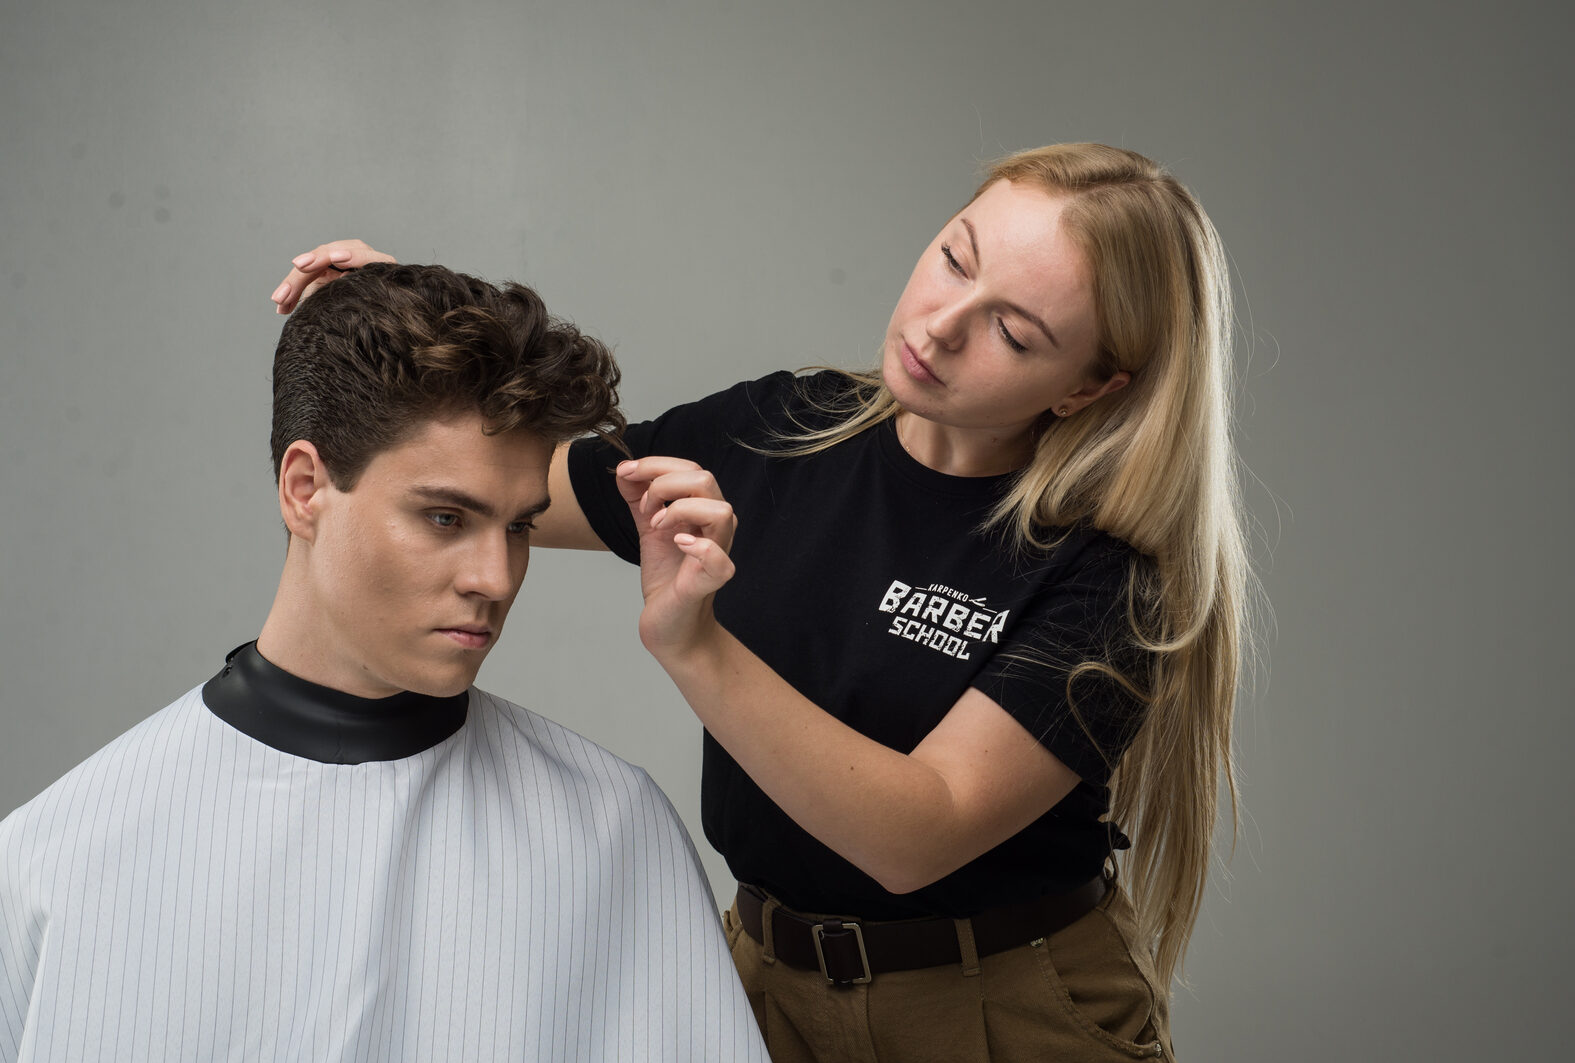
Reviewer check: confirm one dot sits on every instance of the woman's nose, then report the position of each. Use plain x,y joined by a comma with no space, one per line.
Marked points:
947,325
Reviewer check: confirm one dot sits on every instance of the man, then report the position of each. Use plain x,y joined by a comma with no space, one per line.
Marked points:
336,848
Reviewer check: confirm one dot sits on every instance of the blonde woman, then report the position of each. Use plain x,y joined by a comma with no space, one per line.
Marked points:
977,622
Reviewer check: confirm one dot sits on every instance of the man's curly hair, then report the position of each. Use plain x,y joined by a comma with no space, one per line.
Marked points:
369,358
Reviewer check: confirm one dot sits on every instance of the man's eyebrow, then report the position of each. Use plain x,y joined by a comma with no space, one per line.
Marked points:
973,242
449,496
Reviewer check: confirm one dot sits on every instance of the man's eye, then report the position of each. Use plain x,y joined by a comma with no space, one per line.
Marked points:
951,259
521,527
444,520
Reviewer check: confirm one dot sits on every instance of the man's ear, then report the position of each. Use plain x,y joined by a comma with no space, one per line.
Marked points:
303,483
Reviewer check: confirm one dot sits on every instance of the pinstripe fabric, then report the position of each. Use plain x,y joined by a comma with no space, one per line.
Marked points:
515,892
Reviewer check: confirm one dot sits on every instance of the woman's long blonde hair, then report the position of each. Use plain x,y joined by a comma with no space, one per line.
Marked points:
1153,464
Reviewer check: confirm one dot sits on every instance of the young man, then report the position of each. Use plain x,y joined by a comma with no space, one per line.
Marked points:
336,848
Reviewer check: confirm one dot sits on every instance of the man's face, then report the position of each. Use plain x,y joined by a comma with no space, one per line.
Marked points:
413,570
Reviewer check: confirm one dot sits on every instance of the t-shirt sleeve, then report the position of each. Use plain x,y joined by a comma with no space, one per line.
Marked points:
1088,723
712,432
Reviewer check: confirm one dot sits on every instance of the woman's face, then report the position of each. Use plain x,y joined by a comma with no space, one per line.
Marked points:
997,323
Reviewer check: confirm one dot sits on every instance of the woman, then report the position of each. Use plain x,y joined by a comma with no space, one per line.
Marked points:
982,613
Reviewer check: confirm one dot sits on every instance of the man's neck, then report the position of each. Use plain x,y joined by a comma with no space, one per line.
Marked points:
294,638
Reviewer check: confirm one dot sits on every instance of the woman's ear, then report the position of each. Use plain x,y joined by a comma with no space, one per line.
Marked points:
1081,399
303,480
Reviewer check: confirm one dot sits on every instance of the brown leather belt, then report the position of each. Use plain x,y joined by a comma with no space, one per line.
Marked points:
851,952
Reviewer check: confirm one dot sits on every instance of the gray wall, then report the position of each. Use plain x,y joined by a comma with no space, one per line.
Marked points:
722,188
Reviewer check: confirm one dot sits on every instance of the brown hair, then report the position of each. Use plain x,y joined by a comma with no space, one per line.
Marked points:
369,357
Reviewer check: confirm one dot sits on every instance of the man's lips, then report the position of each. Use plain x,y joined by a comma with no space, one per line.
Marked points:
470,636
916,368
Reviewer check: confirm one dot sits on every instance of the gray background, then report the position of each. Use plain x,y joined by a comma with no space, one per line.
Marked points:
723,188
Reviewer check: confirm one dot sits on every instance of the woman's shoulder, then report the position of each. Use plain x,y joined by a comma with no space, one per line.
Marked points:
786,402
835,391
1094,555
1110,548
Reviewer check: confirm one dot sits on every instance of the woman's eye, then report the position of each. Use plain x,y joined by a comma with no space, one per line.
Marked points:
1011,340
951,259
444,520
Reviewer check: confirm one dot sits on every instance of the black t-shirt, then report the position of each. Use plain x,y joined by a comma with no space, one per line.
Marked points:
864,582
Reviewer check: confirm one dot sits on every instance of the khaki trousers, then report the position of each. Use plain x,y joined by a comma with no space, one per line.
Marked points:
1084,993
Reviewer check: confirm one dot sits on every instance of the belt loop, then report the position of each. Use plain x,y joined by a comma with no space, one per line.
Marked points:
768,914
966,946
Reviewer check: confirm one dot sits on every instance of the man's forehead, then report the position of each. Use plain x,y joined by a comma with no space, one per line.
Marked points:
470,432
457,453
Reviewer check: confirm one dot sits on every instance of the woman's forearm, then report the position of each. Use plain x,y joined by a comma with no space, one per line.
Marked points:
906,820
563,524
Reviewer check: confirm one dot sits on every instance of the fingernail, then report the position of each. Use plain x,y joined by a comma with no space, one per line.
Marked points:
300,261
625,467
685,539
656,518
339,256
280,292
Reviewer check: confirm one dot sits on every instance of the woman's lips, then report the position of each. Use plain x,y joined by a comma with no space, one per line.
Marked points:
917,369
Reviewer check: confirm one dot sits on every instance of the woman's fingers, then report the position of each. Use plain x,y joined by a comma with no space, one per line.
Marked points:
686,528
651,483
312,269
715,567
709,518
682,501
648,468
637,477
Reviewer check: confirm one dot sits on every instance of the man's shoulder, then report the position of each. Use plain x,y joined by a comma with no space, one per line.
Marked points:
584,785
564,749
111,780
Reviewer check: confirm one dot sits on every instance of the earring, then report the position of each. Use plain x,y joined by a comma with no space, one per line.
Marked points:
1062,412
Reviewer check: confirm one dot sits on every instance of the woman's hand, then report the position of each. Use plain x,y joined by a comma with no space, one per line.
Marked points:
321,265
685,528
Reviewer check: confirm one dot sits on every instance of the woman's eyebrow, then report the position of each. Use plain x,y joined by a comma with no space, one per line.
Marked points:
973,242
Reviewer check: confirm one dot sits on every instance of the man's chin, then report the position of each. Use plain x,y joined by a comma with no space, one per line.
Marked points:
439,669
443,688
439,682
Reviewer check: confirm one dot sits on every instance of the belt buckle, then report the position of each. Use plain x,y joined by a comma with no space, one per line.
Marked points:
819,931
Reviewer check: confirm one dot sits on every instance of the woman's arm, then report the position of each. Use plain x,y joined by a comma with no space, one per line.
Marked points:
904,819
563,524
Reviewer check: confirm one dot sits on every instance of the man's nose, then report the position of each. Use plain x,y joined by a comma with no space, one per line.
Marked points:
487,570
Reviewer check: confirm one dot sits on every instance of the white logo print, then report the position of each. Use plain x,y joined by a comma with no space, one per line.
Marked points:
941,618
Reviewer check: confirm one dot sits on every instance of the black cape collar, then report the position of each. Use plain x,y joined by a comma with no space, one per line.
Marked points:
267,703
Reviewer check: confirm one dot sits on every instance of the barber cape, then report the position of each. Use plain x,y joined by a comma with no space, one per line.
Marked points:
302,879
